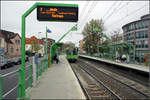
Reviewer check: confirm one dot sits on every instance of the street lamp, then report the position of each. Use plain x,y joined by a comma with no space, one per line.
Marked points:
38,40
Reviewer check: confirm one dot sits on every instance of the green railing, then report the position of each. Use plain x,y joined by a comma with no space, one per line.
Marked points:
1,87
2,95
113,58
39,70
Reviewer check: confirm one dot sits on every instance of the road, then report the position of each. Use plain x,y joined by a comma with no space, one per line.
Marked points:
10,81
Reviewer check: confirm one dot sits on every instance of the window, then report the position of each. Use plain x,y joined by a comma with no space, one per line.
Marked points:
145,24
137,35
146,34
11,49
0,42
17,42
146,46
17,49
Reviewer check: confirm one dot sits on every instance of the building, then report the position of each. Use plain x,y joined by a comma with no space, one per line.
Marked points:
10,43
137,33
50,42
34,44
81,42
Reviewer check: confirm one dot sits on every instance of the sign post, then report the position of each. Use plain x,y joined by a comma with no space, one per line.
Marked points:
45,12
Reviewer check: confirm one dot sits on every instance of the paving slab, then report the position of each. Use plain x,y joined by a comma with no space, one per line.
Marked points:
58,82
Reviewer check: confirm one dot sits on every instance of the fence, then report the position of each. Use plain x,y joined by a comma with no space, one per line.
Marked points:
139,61
39,70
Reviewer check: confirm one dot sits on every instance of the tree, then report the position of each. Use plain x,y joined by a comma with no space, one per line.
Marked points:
117,37
35,46
92,38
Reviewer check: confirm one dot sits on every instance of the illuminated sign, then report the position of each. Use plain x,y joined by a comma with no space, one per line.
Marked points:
56,13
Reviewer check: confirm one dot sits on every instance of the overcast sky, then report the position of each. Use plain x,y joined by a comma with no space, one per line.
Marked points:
115,14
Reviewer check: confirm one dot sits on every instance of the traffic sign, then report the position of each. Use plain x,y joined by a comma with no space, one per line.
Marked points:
57,13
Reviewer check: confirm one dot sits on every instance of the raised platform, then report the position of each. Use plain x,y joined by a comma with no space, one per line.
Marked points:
130,66
58,82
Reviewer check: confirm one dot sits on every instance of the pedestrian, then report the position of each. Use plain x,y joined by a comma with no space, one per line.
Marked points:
124,57
56,58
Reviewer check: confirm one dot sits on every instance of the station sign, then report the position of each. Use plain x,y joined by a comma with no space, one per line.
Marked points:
57,13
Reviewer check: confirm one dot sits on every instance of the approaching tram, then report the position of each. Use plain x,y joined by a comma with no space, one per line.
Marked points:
72,54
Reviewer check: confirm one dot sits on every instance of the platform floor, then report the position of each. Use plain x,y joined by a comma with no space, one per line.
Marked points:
58,82
131,66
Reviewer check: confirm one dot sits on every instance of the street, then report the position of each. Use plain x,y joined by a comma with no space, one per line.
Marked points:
10,81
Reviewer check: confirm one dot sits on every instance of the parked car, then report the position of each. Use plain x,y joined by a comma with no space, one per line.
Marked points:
17,60
10,62
5,62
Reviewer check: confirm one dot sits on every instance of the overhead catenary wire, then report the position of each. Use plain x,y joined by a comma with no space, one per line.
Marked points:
93,5
109,9
88,12
116,11
126,17
83,10
131,13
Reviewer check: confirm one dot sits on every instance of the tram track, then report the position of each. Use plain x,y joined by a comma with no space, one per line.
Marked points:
91,87
121,90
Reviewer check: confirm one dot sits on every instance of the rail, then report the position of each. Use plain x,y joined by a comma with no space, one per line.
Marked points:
85,91
117,96
137,91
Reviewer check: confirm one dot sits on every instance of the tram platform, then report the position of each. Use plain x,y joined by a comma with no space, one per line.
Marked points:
58,82
141,68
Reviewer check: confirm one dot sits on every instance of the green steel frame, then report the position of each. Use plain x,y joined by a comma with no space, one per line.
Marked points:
22,70
54,46
115,46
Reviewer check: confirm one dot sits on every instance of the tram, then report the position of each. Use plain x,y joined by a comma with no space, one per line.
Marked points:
72,54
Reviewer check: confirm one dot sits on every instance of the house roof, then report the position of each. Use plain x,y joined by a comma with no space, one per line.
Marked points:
33,38
8,35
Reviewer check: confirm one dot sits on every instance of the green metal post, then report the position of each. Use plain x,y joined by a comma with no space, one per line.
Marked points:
133,54
88,49
43,66
66,33
46,47
19,91
30,76
46,64
22,80
37,72
129,54
1,87
51,53
140,57
22,72
40,68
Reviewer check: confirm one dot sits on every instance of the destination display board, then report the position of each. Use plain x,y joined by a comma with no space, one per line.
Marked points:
56,13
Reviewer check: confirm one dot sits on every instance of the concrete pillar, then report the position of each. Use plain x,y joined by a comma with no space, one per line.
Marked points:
34,71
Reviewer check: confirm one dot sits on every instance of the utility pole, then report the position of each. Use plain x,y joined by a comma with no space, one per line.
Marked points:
149,47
